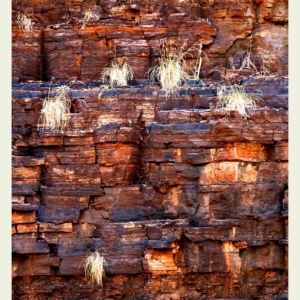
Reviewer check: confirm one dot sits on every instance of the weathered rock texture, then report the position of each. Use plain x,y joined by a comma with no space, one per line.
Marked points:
60,48
183,201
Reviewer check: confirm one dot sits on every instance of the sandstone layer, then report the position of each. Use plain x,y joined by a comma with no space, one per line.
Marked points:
182,200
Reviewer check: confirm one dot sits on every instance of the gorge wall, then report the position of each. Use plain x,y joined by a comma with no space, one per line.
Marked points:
182,200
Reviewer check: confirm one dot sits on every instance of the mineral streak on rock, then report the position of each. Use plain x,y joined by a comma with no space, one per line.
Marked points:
184,201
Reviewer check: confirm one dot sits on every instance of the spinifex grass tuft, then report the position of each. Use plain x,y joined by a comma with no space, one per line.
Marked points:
235,98
25,23
171,70
94,268
117,73
87,17
56,110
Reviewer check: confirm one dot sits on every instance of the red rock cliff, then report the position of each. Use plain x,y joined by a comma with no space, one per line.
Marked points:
183,201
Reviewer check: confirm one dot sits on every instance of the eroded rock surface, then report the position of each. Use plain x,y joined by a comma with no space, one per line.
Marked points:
60,47
182,200
170,194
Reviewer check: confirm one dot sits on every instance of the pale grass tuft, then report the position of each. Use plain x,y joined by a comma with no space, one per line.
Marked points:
87,17
266,59
56,110
235,98
171,70
264,71
94,268
25,23
118,73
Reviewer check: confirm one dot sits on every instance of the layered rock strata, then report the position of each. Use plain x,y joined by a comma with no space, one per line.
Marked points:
60,47
182,200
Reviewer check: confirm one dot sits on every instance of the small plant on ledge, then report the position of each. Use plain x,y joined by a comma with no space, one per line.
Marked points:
119,72
94,268
171,70
56,110
25,23
265,57
235,98
87,17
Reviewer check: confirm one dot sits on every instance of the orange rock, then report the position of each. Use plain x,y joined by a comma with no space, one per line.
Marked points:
53,201
50,227
118,174
242,151
46,139
81,175
23,217
25,228
111,154
159,261
28,174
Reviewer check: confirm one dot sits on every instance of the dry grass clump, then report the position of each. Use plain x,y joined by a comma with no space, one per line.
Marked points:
266,59
94,268
25,23
264,70
119,72
87,17
56,110
235,98
171,70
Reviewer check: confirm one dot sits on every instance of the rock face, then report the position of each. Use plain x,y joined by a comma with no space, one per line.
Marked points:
182,200
61,47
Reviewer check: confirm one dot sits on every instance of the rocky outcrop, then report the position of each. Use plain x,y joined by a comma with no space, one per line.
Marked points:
169,193
182,200
59,47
